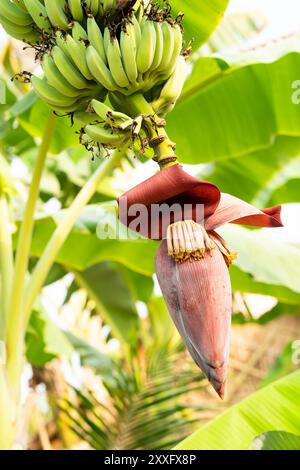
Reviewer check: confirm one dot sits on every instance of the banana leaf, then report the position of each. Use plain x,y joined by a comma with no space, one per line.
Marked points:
276,440
274,407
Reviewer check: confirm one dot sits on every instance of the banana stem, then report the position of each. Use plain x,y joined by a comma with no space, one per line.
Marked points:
63,230
15,328
159,140
6,262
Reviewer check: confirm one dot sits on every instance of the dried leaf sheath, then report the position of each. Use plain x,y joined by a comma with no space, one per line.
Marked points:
198,295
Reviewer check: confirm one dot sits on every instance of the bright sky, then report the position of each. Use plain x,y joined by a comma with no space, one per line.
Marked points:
283,15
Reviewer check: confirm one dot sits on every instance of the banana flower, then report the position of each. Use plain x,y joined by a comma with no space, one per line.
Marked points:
192,261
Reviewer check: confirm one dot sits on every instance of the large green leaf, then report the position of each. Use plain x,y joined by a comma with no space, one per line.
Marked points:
285,364
34,121
200,17
275,407
242,111
44,340
244,282
261,177
256,249
84,249
276,440
107,286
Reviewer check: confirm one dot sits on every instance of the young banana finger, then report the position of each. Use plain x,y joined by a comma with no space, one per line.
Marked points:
99,70
177,34
14,14
56,79
105,136
146,49
76,9
172,89
67,69
77,51
105,113
128,50
159,48
83,119
49,94
168,45
56,13
78,32
38,13
114,59
95,37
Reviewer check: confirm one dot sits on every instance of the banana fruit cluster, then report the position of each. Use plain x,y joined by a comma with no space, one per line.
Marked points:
88,59
106,127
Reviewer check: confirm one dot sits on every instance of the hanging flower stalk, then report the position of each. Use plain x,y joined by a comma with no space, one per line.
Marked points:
192,261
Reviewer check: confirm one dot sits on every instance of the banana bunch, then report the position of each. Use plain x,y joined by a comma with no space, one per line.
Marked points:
145,54
16,21
86,63
27,20
171,90
106,127
68,85
88,58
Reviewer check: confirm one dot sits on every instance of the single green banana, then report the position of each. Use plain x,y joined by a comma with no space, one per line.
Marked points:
146,49
67,69
14,14
177,34
108,5
76,9
38,13
105,136
60,40
172,89
137,29
114,58
13,28
99,70
93,6
128,51
28,36
20,3
106,39
79,106
159,48
168,45
49,94
95,37
78,32
77,51
56,79
84,119
56,13
106,113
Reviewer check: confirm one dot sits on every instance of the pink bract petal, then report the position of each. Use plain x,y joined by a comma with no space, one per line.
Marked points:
198,296
234,210
170,186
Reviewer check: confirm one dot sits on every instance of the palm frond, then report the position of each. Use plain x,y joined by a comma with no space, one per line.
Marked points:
152,412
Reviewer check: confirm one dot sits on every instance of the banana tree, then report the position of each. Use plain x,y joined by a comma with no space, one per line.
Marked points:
114,71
